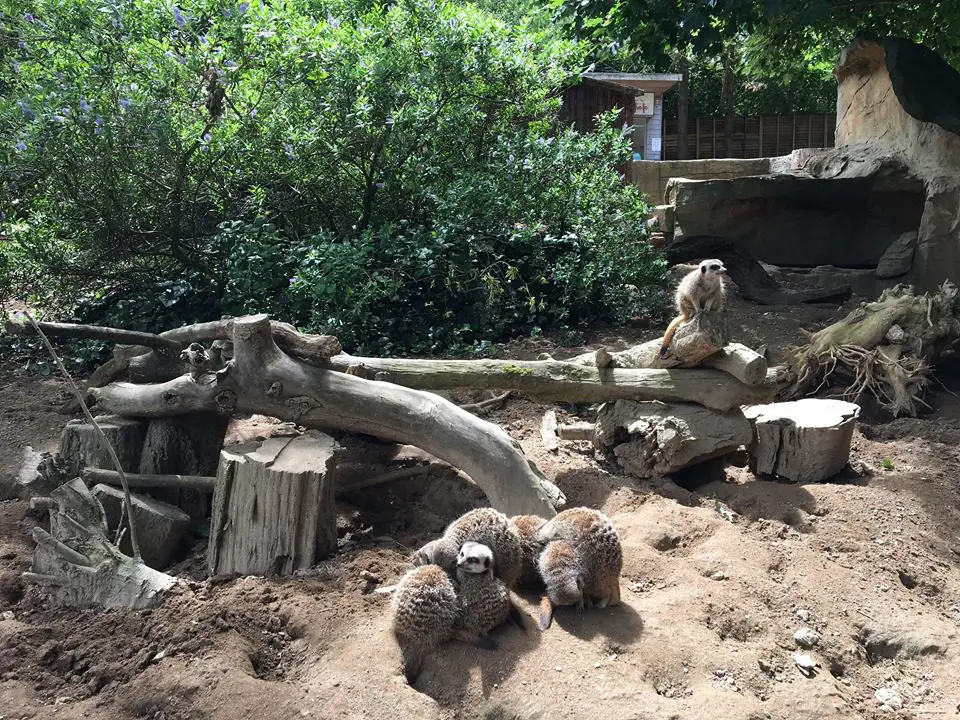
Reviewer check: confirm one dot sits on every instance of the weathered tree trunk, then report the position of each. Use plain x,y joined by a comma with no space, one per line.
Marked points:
273,509
187,445
77,564
550,380
262,379
885,348
81,446
651,438
804,441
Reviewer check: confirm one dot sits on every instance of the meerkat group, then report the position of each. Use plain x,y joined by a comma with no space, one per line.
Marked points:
461,583
700,290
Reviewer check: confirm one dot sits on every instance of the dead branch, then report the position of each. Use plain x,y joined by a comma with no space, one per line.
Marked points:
488,402
262,379
149,480
96,332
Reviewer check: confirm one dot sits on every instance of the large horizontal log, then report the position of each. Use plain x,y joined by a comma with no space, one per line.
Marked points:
262,379
551,380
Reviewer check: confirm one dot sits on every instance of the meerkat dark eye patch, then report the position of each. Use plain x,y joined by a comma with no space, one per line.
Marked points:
703,269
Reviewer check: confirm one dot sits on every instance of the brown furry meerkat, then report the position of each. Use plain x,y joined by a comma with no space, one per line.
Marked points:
484,598
580,563
425,610
483,525
430,608
527,527
700,290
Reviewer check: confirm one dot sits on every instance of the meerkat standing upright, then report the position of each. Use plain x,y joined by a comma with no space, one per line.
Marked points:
700,290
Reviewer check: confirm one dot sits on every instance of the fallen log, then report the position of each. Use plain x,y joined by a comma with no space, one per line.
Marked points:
165,345
885,348
78,566
551,380
262,379
652,438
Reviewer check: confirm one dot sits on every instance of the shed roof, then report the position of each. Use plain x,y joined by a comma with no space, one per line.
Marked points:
635,83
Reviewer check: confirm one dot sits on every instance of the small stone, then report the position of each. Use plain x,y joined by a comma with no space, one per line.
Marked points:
7,615
558,668
369,577
719,575
806,638
888,699
804,615
806,664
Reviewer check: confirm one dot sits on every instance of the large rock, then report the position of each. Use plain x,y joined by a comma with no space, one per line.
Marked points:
898,258
895,169
804,441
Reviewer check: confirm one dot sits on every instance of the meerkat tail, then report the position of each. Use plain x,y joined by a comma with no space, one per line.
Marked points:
546,612
671,331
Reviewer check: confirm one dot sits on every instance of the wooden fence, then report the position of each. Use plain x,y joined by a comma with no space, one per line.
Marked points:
766,136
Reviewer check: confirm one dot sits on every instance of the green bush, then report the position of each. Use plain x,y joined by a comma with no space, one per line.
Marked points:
393,173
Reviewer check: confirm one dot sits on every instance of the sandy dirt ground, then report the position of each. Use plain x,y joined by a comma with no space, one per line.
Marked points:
706,627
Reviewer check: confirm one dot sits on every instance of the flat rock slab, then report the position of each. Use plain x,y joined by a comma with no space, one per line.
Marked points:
897,259
804,441
160,526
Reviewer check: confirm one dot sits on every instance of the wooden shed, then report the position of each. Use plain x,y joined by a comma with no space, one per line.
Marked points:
638,95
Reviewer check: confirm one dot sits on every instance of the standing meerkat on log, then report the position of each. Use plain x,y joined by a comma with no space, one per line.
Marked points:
700,290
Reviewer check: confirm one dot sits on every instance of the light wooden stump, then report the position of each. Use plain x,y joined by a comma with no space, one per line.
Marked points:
273,507
804,440
653,438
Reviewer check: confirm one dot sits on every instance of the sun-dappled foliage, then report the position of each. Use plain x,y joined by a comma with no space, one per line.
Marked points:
392,173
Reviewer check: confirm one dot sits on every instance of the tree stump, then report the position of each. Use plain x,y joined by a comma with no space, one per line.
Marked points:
654,438
804,440
273,507
184,445
78,565
160,526
80,445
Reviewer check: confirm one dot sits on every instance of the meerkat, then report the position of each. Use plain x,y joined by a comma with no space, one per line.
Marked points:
483,525
527,527
425,611
580,563
430,608
484,598
700,290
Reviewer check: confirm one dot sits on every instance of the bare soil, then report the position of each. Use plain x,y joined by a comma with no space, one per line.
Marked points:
706,627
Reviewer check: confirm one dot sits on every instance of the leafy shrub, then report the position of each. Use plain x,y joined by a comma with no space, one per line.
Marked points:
393,173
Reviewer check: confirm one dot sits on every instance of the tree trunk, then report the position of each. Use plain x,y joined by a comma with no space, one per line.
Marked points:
683,108
187,445
803,441
81,446
78,565
273,509
727,99
264,380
